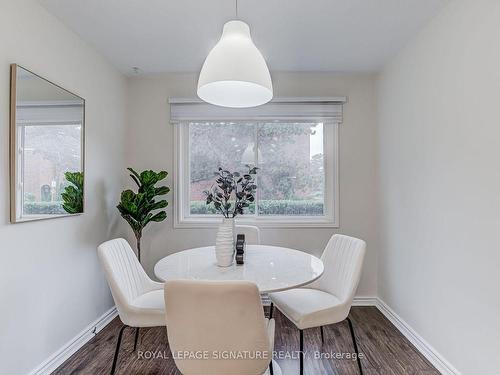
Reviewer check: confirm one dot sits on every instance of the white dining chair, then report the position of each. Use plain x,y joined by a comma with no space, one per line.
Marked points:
217,317
251,232
327,300
139,300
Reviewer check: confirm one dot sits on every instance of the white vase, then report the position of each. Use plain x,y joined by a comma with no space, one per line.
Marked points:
224,243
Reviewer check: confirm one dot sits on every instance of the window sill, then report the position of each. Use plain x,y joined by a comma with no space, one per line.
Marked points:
261,223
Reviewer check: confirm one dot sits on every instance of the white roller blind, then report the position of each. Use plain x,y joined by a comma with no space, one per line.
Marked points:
53,113
184,110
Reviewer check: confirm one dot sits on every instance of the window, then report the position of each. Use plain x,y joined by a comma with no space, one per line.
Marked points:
49,143
47,152
296,156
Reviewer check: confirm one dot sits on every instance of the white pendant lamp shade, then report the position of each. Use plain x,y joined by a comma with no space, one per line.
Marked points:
235,73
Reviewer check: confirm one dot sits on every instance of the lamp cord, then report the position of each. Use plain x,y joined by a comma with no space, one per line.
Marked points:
236,9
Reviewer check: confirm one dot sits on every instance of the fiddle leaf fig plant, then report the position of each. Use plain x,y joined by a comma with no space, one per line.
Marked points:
141,208
232,191
73,194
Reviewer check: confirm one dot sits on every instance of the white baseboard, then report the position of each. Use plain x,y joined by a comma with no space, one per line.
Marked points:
364,301
66,351
432,355
358,301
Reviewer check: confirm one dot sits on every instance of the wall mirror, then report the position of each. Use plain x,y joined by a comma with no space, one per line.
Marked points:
46,148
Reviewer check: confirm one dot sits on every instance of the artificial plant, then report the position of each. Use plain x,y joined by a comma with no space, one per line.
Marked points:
73,194
232,192
138,208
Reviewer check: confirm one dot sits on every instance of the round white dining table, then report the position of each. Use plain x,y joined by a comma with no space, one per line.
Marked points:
272,268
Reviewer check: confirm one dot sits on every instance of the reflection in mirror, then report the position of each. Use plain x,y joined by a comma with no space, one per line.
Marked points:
47,148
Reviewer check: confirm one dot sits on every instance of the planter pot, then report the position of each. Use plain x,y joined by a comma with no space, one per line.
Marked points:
224,243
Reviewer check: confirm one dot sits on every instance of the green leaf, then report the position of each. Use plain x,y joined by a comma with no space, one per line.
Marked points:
148,178
160,204
160,216
134,173
162,175
162,190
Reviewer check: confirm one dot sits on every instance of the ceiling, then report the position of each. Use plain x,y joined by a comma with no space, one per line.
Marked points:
293,35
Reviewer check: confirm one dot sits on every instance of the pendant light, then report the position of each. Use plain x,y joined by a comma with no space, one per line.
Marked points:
235,73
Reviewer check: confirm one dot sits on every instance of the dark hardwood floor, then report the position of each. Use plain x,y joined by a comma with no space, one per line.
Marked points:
385,349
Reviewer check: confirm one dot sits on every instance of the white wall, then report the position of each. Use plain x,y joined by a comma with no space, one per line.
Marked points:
439,157
51,285
150,145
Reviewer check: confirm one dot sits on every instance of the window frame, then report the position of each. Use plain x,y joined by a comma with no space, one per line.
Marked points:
183,218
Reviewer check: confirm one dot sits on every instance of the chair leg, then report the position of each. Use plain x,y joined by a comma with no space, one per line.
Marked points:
117,350
322,335
271,308
301,352
355,345
136,337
